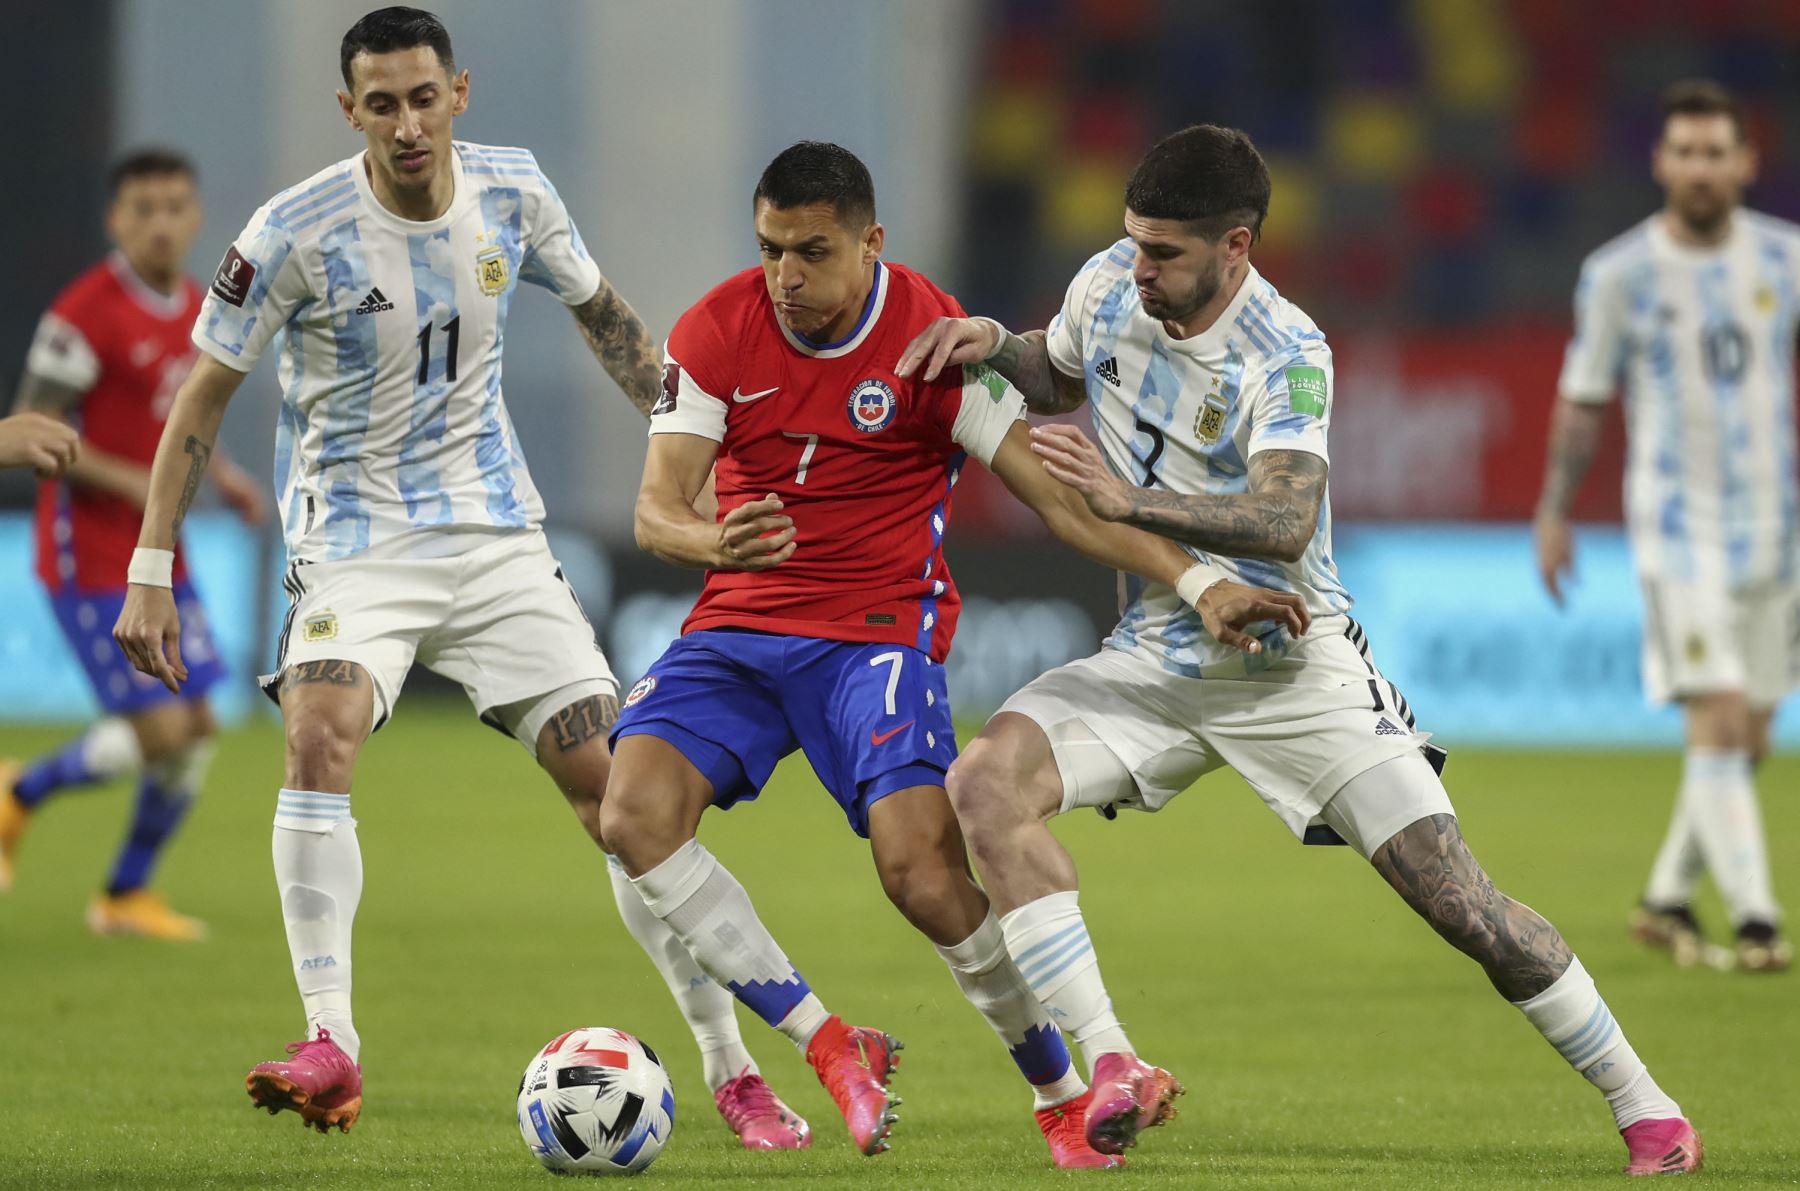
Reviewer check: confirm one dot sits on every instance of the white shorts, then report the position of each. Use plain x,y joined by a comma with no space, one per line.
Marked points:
498,618
1701,638
1297,727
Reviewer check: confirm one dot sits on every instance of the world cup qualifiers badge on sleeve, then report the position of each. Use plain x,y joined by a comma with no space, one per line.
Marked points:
872,405
1306,390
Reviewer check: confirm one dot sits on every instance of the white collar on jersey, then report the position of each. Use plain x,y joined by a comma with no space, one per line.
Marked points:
459,197
849,343
1215,335
1664,241
153,300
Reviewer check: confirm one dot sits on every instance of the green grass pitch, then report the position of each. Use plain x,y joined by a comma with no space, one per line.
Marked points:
1326,1036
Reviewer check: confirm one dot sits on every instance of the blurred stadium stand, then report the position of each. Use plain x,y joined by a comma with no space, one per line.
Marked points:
1440,168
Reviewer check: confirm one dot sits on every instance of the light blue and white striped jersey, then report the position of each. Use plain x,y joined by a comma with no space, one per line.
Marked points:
1186,415
389,336
1703,342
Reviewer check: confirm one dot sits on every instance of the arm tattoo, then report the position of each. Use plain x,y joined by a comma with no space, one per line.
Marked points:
1430,866
618,339
201,452
583,720
330,671
40,394
1275,519
1025,361
1574,437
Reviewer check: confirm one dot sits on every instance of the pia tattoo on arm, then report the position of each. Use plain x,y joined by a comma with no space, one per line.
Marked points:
1025,361
1431,868
329,671
622,344
583,720
1275,519
201,453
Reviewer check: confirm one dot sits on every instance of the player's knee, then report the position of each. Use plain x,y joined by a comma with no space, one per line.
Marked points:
162,732
985,789
631,829
321,753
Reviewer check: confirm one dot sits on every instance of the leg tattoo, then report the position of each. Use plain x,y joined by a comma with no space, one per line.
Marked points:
1430,866
583,720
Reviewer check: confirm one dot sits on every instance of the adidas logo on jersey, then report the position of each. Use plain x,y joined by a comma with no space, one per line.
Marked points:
1108,371
1387,727
374,303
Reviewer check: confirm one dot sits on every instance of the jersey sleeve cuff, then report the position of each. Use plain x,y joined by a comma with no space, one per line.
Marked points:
222,354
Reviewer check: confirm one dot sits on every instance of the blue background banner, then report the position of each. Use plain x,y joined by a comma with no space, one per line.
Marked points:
1455,616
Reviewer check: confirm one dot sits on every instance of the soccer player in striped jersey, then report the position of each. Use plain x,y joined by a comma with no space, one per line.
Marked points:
826,616
413,529
1694,312
106,358
1211,395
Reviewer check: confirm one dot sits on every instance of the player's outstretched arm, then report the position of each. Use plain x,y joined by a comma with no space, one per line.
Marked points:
149,630
622,344
1275,519
677,471
43,444
1574,437
1225,607
1022,359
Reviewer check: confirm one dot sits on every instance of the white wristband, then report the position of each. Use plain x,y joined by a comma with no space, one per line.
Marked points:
1195,580
151,568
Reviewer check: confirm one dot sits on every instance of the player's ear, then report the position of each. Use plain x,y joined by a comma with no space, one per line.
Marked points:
1237,244
459,87
873,240
348,106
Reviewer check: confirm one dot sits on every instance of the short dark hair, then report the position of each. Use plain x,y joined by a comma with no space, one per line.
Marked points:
151,161
1208,177
1702,97
388,29
810,172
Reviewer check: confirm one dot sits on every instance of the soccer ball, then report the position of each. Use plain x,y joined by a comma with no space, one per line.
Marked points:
596,1101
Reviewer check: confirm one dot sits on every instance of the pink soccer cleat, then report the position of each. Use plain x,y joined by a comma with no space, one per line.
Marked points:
1129,1096
1668,1146
316,1080
1065,1128
760,1120
854,1064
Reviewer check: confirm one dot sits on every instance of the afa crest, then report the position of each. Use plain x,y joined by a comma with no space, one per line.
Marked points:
321,626
491,271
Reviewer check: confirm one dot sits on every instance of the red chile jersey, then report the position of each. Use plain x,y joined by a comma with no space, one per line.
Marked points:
125,348
863,461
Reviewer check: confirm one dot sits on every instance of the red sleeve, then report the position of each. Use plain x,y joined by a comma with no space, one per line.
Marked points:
697,346
83,305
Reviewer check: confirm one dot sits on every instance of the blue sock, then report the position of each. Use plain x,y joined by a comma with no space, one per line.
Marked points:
67,766
105,751
157,814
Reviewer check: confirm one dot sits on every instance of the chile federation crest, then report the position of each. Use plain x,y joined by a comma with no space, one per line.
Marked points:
872,405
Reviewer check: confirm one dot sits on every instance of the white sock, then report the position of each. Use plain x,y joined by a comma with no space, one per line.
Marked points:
110,748
711,914
991,982
1678,862
1721,804
1049,942
1572,1017
710,1011
318,871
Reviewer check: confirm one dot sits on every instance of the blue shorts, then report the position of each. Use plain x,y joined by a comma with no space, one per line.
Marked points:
87,619
872,718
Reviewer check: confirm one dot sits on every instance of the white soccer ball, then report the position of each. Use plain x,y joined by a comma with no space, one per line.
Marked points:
596,1101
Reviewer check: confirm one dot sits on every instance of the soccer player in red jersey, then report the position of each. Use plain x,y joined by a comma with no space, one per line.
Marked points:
826,616
107,358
